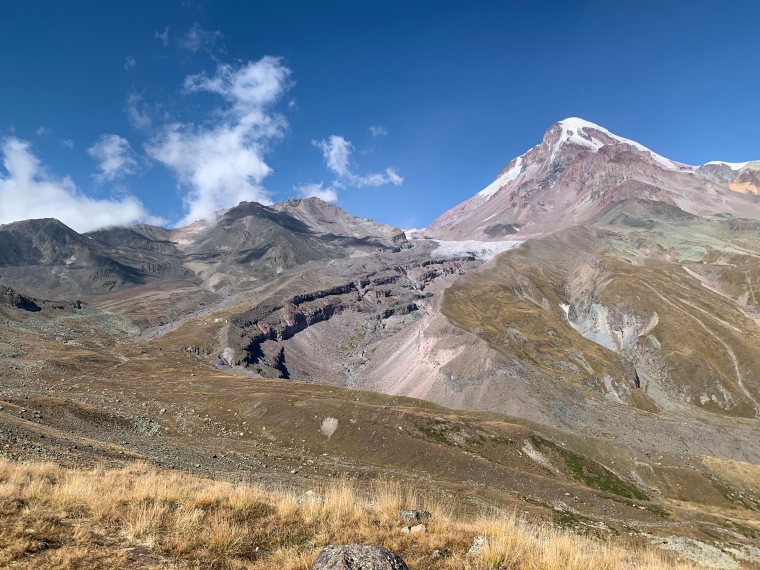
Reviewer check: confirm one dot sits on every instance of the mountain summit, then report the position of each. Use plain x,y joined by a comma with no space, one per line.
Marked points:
579,169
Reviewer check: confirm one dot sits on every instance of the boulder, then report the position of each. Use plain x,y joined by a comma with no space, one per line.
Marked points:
415,515
478,545
358,557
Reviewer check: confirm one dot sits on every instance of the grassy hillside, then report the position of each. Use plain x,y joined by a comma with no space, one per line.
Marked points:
140,517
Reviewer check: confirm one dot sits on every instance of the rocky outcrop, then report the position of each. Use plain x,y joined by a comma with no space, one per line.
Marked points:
10,297
414,515
358,557
328,219
255,337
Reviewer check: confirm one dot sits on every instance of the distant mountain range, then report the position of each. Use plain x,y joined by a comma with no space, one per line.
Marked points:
49,259
618,250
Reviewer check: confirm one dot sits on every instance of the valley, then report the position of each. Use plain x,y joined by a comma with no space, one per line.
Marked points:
576,344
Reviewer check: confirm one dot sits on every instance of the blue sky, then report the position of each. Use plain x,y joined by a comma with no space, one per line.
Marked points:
112,112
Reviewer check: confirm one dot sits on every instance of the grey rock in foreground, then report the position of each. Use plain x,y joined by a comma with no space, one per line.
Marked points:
478,545
415,515
358,557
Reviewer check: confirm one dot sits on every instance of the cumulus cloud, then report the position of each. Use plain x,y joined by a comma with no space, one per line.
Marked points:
197,39
27,191
378,131
336,152
115,157
317,191
247,88
129,63
221,164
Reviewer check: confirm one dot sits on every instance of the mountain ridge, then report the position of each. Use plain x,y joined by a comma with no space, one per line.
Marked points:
618,322
116,258
578,169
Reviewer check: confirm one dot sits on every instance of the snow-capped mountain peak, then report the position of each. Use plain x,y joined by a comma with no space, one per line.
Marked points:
579,169
581,132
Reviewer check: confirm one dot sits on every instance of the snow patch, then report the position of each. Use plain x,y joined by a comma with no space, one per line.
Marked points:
413,233
731,165
479,249
509,176
573,129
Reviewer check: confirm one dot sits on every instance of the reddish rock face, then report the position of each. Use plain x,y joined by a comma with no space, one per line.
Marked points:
579,169
748,180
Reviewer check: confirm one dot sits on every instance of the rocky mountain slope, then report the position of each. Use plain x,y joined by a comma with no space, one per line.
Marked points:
80,390
581,168
590,319
192,266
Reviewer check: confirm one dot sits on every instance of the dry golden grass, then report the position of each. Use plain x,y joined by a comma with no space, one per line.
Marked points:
140,517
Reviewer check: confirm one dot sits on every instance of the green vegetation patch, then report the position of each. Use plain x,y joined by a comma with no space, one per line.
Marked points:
437,434
650,508
747,531
590,473
453,434
568,519
746,499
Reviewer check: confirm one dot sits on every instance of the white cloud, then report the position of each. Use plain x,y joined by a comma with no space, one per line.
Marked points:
27,191
394,177
43,131
68,143
246,87
390,176
223,163
129,63
163,36
197,39
317,191
336,151
378,131
137,113
115,157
